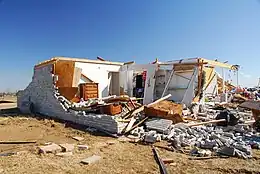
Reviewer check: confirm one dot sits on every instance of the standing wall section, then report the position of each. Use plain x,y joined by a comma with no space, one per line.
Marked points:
42,94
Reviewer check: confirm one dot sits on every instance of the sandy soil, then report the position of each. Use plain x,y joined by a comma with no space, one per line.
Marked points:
120,157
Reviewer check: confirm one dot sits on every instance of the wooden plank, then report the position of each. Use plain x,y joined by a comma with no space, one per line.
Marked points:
139,123
130,124
68,92
17,142
206,122
216,63
159,161
83,60
159,100
65,71
41,64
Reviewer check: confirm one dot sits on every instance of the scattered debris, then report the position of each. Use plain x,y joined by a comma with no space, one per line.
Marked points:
8,154
17,142
91,160
52,148
67,147
83,147
64,154
168,160
78,138
159,161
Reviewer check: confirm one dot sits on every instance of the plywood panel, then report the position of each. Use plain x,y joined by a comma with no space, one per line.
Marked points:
65,71
68,92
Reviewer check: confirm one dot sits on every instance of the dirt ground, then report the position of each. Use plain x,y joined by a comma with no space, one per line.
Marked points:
119,157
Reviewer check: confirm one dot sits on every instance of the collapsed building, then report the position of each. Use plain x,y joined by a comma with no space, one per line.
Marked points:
57,84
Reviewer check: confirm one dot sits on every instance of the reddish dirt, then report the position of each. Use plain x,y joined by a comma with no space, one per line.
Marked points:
120,157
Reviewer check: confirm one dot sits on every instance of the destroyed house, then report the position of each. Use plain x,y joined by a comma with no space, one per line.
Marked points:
60,84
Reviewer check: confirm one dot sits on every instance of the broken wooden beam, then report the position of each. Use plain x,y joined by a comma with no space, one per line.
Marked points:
17,142
206,122
159,161
130,124
159,100
139,123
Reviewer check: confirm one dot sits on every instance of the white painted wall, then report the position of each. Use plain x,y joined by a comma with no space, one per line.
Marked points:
177,86
127,75
212,88
99,74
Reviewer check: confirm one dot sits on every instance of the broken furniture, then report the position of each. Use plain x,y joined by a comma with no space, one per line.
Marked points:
88,90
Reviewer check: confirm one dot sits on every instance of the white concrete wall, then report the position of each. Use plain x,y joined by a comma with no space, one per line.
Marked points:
99,74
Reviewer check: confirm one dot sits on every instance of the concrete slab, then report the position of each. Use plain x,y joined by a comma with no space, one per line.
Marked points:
64,154
91,160
159,125
52,148
67,147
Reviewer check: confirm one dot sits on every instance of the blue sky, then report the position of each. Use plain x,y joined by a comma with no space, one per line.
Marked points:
121,30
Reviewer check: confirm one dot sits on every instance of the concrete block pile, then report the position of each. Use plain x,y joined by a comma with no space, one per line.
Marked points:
204,140
42,97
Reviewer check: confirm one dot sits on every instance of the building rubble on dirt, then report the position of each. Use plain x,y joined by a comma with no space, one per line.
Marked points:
185,102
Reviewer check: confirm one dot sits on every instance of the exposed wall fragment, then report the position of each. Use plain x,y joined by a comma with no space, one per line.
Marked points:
46,100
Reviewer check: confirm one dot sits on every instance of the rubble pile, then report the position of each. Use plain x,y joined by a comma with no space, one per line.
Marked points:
182,127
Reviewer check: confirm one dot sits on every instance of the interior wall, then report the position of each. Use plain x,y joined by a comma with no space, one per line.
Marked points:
149,82
114,86
177,86
99,74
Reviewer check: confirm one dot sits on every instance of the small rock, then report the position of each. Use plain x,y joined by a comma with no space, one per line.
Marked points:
173,164
52,148
91,159
229,151
176,143
208,153
67,147
230,135
201,153
150,138
159,138
124,139
78,138
243,148
82,147
64,154
194,151
111,142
